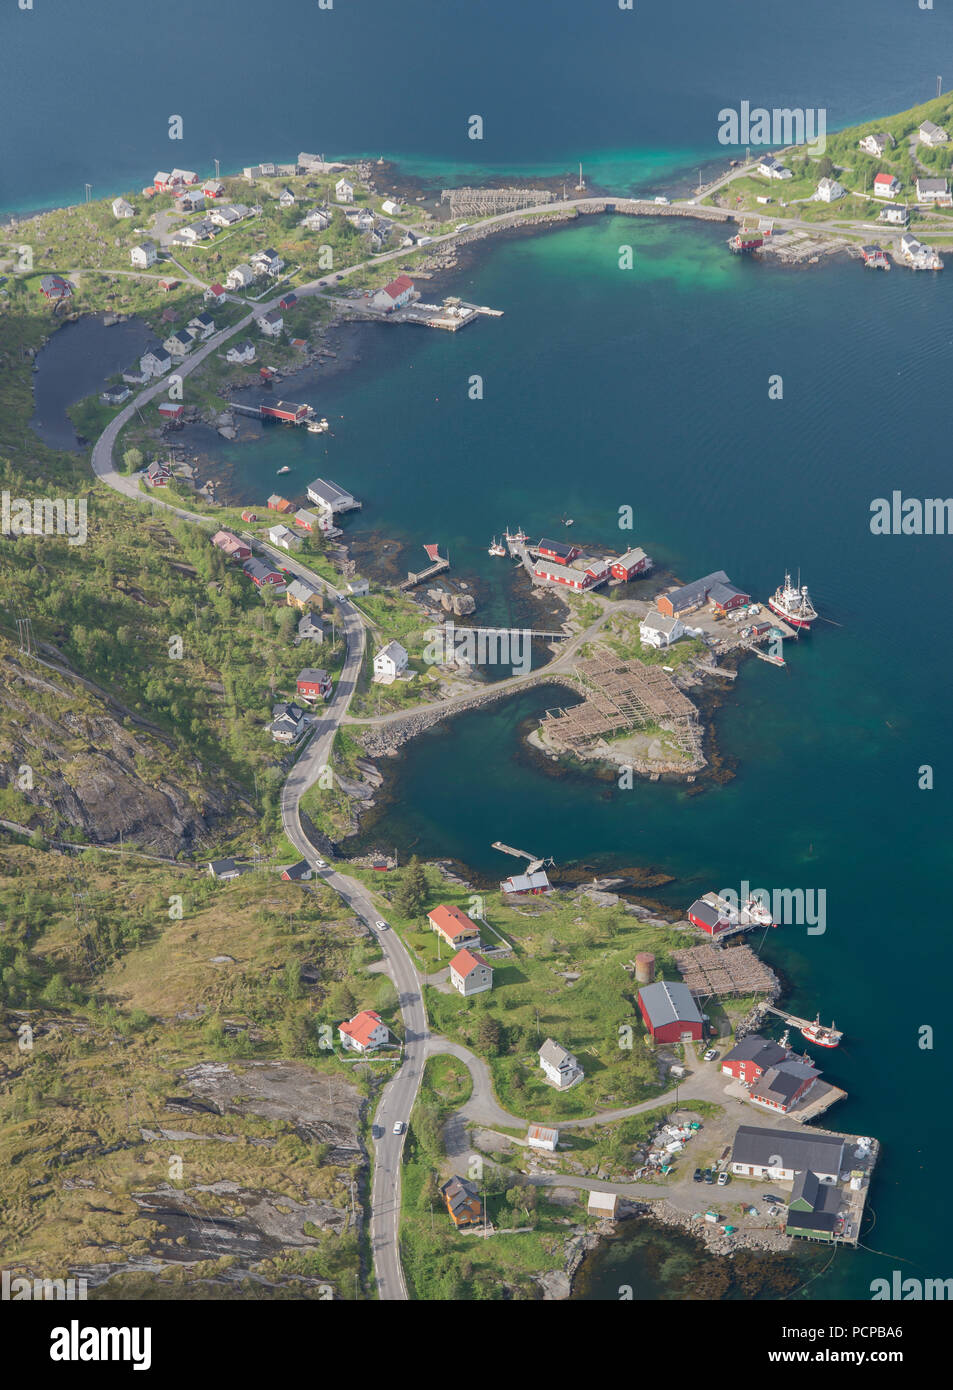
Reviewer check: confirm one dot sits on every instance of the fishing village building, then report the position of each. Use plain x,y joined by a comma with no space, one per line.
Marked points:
453,926
669,1011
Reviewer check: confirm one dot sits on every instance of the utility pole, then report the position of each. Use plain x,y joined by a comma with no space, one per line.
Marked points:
89,189
216,169
938,86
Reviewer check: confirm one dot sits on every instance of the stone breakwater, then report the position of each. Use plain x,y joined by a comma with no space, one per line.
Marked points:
384,739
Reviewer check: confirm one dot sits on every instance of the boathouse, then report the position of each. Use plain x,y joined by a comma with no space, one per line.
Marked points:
287,412
690,596
558,551
634,562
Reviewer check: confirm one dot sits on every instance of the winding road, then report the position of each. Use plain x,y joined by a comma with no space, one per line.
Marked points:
399,1094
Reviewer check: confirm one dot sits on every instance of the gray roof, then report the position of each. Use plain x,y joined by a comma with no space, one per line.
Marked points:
631,557
458,1191
669,1001
724,593
555,1054
223,866
300,588
328,492
313,673
660,622
690,594
756,1049
783,1081
798,1149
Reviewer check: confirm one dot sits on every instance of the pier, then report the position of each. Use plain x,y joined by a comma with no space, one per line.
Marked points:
791,1019
437,567
283,412
451,315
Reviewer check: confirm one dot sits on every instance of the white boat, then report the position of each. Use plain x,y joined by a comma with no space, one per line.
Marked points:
820,1035
286,469
496,548
793,603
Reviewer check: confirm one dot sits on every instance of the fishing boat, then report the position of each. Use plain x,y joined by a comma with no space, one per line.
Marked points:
496,548
317,426
823,1037
286,469
519,538
793,603
568,521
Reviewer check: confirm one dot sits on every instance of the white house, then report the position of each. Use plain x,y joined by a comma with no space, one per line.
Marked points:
155,362
241,352
286,198
358,586
240,277
123,209
267,262
772,169
930,134
932,190
288,722
389,662
317,220
829,190
394,295
177,344
391,207
225,217
559,1065
470,973
897,216
659,630
363,1032
542,1137
886,186
280,535
204,326
144,255
876,144
344,191
223,869
271,324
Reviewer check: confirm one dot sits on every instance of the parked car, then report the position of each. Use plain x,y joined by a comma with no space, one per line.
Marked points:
710,1055
709,1176
381,926
770,1197
723,1179
697,1175
398,1127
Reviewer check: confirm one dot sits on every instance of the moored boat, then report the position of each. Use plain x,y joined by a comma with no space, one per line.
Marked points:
496,548
793,603
820,1035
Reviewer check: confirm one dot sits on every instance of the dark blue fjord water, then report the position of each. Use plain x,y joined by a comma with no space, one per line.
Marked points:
604,388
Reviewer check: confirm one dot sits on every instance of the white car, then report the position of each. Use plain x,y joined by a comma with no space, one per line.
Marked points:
662,200
398,1127
381,926
710,1055
320,864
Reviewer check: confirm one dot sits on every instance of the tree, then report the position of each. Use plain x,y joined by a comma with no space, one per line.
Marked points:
412,891
825,167
132,460
488,1035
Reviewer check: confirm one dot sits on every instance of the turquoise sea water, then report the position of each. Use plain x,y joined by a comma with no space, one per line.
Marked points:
650,388
603,388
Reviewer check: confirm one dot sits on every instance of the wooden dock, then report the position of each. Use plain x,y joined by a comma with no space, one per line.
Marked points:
437,567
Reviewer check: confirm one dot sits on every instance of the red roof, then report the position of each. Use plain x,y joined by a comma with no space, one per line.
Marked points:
452,922
884,178
399,286
465,961
217,289
361,1026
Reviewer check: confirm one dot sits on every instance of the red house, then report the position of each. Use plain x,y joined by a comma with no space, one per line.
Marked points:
752,1056
170,410
556,550
711,919
261,573
231,546
781,1087
314,684
632,563
287,301
555,572
670,1012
